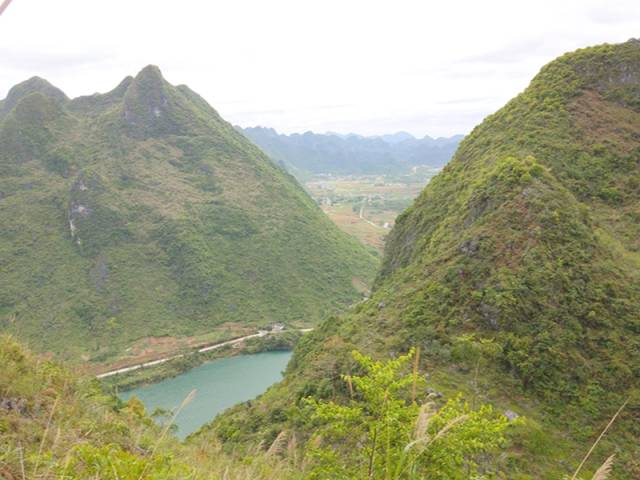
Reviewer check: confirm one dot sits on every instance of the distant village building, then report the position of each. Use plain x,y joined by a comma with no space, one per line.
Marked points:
277,327
386,225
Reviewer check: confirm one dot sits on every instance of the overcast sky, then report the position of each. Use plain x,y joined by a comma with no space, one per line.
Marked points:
368,66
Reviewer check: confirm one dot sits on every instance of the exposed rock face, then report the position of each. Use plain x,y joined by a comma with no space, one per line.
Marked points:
511,415
476,209
470,246
99,274
148,109
16,404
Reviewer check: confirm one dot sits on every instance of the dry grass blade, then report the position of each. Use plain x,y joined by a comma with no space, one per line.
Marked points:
259,447
292,449
586,457
184,403
44,436
428,441
350,384
24,477
449,426
188,399
316,441
424,418
278,444
53,445
416,366
605,469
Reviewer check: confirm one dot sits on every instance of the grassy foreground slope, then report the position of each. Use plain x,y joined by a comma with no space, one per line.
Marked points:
517,272
141,212
55,425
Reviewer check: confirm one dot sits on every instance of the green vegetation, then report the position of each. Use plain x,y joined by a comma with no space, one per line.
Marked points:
517,273
142,213
379,435
54,425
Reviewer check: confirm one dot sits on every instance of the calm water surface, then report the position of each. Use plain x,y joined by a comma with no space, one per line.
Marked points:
219,384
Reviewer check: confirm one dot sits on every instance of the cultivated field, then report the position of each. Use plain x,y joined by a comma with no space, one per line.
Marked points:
366,206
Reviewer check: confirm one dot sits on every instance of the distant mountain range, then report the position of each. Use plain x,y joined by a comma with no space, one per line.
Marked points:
315,153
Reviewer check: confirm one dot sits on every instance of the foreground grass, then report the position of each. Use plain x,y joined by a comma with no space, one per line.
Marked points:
54,425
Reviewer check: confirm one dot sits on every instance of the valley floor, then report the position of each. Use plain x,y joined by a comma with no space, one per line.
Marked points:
366,206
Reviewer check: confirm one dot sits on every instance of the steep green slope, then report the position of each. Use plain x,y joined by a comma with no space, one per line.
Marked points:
537,241
528,239
141,212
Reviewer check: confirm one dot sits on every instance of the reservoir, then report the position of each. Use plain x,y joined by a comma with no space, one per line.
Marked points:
219,384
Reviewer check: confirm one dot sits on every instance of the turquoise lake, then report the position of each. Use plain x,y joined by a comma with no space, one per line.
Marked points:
219,384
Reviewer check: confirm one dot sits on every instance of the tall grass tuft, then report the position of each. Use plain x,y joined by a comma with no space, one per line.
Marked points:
188,399
278,445
605,469
595,444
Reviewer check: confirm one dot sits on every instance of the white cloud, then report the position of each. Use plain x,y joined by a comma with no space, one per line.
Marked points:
360,65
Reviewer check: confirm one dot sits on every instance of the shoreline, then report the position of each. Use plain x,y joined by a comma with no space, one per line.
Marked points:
151,363
133,376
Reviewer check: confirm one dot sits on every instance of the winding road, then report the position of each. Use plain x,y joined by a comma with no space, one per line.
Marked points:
361,215
215,346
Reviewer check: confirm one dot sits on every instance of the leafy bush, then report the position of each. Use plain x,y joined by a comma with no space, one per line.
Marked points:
380,434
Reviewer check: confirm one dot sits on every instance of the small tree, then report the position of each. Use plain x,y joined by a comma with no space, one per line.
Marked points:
382,434
477,352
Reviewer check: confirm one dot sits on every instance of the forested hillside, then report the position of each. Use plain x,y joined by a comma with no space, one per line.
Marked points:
517,273
141,212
